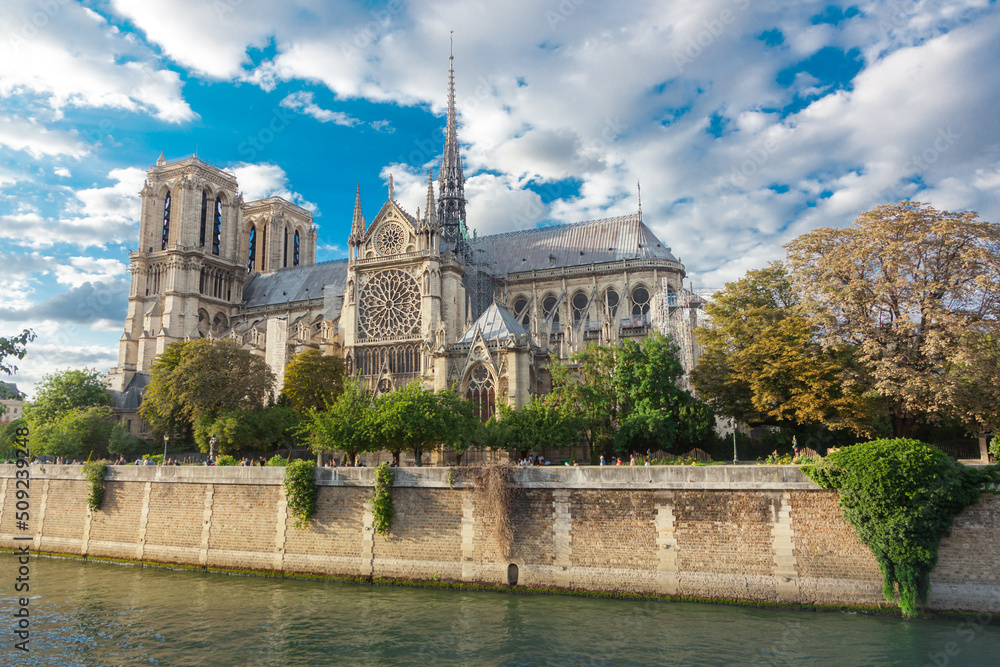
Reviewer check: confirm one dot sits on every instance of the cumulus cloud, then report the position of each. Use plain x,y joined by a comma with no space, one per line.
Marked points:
26,134
82,270
93,218
263,180
72,56
302,101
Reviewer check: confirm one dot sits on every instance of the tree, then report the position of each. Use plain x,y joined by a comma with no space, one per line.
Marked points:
414,418
312,380
628,396
763,364
62,392
240,429
203,378
75,433
14,346
912,290
535,425
346,424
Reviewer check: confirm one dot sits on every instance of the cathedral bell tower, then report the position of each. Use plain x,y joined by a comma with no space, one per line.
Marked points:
189,270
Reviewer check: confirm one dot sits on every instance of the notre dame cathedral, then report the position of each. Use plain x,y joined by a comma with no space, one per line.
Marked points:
418,297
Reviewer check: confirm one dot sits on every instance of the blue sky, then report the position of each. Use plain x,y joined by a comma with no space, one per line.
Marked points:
747,123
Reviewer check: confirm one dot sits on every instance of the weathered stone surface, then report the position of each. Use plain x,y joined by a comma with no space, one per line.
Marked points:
748,533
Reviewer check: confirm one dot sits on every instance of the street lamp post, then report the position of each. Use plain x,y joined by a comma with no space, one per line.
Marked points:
733,423
166,439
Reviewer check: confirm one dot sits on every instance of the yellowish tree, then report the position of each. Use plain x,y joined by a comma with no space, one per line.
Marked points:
312,380
913,291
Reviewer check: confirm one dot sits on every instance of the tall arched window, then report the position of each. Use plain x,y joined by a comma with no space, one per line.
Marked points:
263,247
580,307
482,392
548,305
295,256
217,228
611,298
640,305
204,218
166,220
285,251
252,250
521,310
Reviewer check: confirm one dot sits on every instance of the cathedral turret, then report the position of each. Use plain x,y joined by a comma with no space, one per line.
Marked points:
430,218
451,180
357,227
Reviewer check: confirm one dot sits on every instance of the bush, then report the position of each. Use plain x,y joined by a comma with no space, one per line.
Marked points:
277,461
94,472
226,460
300,491
995,448
382,509
902,497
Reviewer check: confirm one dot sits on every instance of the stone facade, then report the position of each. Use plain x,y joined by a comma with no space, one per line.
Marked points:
761,533
418,297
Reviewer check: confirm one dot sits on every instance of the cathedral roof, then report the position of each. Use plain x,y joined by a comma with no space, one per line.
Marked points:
496,323
295,284
574,244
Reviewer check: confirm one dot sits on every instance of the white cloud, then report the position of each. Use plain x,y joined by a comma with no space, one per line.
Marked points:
71,56
62,172
96,217
263,180
23,134
82,270
303,101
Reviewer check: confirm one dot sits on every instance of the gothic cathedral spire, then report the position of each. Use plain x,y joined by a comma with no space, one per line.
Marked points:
451,180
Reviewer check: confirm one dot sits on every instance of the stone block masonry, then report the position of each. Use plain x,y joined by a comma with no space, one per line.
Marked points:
754,533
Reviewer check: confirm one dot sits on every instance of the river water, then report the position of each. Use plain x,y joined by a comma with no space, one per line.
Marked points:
99,614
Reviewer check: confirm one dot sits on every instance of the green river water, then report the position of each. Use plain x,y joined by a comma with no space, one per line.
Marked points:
100,614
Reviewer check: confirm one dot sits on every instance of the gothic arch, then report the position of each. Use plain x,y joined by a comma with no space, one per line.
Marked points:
481,388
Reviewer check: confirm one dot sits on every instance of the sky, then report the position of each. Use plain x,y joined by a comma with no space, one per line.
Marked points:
744,122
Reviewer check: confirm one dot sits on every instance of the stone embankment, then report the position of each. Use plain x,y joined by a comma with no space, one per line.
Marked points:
755,533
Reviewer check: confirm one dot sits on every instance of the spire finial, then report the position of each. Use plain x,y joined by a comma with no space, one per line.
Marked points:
429,209
451,179
638,188
358,226
390,186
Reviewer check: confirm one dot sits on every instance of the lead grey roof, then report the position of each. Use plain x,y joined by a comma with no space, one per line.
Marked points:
295,284
130,399
496,323
574,244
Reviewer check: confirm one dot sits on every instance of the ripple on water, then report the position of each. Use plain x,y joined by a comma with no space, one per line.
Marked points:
99,614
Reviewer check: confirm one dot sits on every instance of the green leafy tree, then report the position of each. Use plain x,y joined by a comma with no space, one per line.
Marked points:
240,429
913,291
346,424
123,443
200,379
8,435
65,391
312,380
535,425
75,433
414,418
16,347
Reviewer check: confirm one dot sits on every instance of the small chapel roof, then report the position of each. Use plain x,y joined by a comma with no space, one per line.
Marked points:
295,284
496,324
573,244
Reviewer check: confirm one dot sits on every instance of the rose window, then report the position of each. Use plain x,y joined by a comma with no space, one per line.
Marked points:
389,306
390,239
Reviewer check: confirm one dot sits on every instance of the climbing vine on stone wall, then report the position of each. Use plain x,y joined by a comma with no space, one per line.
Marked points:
300,491
382,509
94,472
901,496
496,493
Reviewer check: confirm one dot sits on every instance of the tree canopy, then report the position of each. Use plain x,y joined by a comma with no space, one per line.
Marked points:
312,379
346,423
199,378
762,362
912,290
628,396
16,347
414,418
65,391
